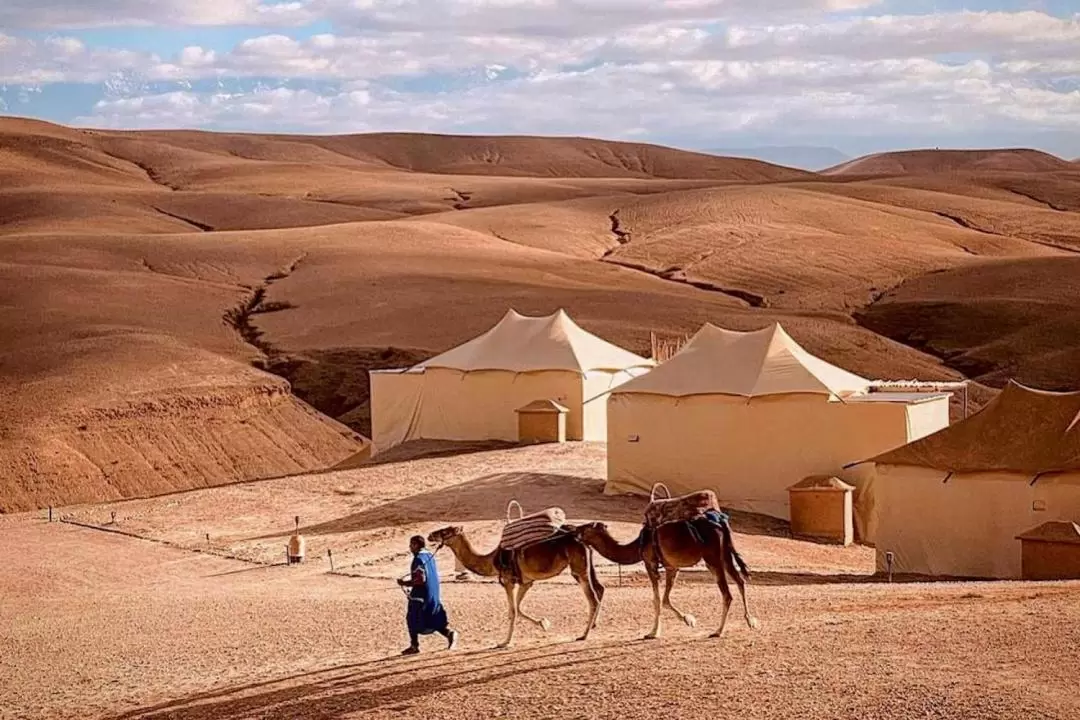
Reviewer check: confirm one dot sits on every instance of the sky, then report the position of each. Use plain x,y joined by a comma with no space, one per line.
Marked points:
857,75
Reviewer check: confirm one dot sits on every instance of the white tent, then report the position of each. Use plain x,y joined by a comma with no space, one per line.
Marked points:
953,503
748,414
471,392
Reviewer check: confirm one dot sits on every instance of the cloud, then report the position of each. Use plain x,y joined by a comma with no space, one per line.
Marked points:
64,59
630,69
919,97
560,18
907,36
66,14
1017,38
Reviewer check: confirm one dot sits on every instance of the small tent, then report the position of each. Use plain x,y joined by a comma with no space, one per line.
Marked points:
953,503
748,414
472,391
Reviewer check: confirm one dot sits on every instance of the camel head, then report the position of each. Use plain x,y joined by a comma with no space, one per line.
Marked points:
590,528
444,536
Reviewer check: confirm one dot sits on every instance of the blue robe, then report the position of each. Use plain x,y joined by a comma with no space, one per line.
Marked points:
426,613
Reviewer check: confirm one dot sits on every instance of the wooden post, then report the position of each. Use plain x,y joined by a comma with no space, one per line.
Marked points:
330,554
287,554
50,513
888,563
113,516
620,573
965,400
208,539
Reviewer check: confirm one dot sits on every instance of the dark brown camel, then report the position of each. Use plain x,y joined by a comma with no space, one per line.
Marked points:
680,547
542,561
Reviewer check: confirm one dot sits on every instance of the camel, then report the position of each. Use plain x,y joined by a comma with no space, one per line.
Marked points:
679,547
542,561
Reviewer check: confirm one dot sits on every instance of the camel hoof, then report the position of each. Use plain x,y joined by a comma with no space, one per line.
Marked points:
651,636
545,624
583,638
502,646
716,634
753,622
690,620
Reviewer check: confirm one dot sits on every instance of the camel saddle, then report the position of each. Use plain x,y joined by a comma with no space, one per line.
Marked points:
685,508
524,532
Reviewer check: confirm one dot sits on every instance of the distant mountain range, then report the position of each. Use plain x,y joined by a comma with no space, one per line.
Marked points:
805,157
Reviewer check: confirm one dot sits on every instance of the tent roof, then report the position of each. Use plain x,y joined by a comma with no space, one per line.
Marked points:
543,406
748,364
1055,531
1021,430
821,482
519,343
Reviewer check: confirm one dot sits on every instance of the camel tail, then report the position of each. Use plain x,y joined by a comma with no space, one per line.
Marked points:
724,528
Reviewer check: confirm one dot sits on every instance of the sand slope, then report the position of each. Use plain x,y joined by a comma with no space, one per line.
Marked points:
146,279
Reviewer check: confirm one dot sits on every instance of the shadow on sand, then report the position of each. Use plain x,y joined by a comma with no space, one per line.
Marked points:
388,684
485,499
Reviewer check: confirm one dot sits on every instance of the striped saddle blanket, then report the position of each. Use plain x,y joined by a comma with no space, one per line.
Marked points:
681,509
531,529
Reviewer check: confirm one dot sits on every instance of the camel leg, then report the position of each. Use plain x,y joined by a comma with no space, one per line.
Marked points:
654,578
544,623
593,590
721,580
729,562
512,606
670,574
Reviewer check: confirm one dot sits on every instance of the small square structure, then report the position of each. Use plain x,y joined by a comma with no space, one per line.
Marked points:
542,421
1050,551
821,509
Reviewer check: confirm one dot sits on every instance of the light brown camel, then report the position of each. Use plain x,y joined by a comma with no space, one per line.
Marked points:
542,561
680,547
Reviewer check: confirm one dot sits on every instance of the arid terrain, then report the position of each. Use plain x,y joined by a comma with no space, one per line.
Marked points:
186,322
133,614
149,279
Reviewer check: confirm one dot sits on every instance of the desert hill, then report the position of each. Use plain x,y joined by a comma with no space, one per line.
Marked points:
158,289
926,162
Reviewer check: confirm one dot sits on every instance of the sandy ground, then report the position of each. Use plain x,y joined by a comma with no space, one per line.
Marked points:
102,624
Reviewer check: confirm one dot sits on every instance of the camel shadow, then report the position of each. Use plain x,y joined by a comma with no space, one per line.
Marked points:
385,685
432,449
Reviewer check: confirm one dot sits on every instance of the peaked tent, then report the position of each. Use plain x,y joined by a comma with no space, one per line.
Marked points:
748,414
471,392
953,503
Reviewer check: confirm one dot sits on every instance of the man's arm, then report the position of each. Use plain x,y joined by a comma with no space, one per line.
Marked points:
418,578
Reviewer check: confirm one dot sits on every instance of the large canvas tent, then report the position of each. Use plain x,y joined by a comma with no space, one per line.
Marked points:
748,414
953,503
471,392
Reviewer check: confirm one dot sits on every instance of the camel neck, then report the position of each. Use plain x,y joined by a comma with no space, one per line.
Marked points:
476,563
621,553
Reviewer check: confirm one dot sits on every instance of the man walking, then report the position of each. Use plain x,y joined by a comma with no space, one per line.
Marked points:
426,614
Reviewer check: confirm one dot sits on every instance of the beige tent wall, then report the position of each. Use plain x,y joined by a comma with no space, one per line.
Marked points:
927,417
480,405
864,501
749,452
967,526
395,408
923,418
441,404
595,400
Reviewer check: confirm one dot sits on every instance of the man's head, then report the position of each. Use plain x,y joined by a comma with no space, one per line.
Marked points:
417,543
